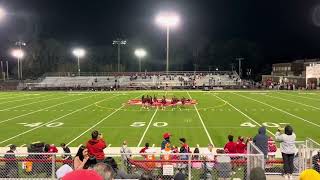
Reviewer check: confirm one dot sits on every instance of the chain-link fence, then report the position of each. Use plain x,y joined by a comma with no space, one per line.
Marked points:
204,165
302,158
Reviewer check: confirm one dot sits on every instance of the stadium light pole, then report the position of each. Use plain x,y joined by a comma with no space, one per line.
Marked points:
18,54
20,44
79,53
118,43
140,53
168,20
240,69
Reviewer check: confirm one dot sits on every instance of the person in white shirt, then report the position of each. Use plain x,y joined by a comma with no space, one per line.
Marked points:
288,149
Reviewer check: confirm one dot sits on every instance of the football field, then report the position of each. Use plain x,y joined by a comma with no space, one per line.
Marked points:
69,117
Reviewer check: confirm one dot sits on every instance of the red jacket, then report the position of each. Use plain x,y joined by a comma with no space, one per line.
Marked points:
241,147
230,148
95,148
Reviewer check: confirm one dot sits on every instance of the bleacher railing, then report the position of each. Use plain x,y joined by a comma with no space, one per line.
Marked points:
205,165
74,74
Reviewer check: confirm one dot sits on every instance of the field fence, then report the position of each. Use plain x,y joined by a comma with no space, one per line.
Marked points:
206,165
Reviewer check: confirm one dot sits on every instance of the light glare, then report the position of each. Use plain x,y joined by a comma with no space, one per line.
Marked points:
2,13
140,53
17,53
79,52
168,19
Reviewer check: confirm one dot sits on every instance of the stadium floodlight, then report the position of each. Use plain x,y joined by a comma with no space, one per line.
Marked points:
118,43
18,54
2,13
140,53
20,44
79,53
168,20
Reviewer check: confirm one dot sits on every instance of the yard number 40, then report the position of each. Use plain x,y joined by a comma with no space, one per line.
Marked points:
266,124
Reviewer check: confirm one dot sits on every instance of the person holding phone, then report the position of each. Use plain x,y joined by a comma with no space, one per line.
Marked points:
96,145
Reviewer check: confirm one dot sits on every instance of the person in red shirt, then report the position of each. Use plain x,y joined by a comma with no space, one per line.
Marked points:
185,145
143,150
230,147
241,146
96,145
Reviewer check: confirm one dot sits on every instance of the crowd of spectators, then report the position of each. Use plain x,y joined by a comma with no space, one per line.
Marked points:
91,160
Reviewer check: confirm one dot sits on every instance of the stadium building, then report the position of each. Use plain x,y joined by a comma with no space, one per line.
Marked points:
299,73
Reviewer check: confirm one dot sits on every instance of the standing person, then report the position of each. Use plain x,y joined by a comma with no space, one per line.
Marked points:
288,149
261,141
81,159
96,145
11,169
66,153
241,146
230,147
185,145
166,139
143,150
126,154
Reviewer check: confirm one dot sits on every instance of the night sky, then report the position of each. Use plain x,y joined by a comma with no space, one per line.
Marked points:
283,29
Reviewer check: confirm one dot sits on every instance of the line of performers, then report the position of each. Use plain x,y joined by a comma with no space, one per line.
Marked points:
154,101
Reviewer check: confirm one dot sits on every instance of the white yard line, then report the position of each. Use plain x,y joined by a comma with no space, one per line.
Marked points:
32,112
279,110
25,99
95,125
30,130
17,96
204,127
144,133
293,102
315,99
244,114
30,103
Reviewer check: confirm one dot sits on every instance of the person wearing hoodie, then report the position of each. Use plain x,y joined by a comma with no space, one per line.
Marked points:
166,139
261,141
288,149
96,145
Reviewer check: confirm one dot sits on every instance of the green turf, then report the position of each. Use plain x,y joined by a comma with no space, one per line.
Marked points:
74,115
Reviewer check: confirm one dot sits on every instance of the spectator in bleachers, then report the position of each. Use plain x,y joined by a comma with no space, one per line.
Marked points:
288,149
241,146
209,158
126,154
272,149
63,170
316,162
261,141
11,169
166,139
119,173
143,150
81,159
83,175
96,145
230,147
184,144
66,153
104,171
223,165
196,157
257,173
